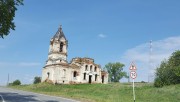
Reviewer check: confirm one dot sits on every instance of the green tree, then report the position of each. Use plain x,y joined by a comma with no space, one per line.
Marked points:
174,62
7,14
169,71
16,82
115,71
37,80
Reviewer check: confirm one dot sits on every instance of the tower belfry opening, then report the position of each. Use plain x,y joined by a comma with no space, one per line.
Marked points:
61,47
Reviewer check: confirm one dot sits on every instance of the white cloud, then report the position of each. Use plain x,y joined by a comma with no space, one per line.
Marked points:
29,64
28,78
2,64
19,64
24,71
102,35
161,49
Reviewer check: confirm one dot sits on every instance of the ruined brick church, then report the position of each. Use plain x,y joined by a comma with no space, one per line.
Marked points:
80,70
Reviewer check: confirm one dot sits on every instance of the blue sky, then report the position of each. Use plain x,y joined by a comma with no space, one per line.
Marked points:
108,31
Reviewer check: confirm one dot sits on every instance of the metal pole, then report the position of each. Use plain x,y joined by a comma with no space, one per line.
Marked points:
134,91
8,80
150,60
128,78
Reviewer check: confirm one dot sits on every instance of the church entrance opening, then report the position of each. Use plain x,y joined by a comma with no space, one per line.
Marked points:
103,79
90,76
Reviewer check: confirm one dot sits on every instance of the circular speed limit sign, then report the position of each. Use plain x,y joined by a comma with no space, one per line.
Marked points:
133,74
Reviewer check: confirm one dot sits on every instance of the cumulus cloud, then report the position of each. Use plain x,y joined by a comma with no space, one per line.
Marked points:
161,49
102,35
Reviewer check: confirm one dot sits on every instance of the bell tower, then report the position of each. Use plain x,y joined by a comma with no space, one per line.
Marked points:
58,48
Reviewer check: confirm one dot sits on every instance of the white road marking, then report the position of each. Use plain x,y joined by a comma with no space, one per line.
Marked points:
2,98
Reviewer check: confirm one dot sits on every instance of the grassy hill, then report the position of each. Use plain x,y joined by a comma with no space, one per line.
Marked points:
114,92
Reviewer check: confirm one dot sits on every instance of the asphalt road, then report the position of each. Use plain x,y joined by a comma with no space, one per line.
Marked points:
12,95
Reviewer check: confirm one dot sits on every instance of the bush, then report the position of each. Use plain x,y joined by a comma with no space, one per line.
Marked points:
16,82
158,82
169,71
143,82
37,80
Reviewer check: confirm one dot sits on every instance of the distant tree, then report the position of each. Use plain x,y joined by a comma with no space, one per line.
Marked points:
16,82
7,14
37,80
169,71
115,71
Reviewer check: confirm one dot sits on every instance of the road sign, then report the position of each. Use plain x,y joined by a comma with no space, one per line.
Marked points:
133,66
133,74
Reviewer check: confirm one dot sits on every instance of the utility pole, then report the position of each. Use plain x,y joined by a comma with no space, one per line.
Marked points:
8,80
150,60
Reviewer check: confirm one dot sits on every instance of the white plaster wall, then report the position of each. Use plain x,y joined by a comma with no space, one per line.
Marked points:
88,72
45,75
57,76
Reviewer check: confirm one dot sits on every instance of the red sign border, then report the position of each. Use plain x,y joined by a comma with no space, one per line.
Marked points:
136,74
131,66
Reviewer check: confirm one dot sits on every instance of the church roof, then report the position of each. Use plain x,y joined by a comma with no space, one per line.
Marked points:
59,34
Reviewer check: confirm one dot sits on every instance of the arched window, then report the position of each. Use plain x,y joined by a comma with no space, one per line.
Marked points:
96,77
91,68
86,68
74,74
84,76
48,74
95,69
61,47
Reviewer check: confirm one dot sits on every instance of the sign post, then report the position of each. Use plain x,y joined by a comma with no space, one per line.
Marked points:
133,75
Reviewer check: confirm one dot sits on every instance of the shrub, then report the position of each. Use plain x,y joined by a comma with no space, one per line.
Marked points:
16,82
37,80
143,82
158,82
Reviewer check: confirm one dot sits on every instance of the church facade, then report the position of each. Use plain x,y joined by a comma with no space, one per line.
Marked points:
80,70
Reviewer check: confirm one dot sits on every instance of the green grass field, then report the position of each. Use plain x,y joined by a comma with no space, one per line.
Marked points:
114,92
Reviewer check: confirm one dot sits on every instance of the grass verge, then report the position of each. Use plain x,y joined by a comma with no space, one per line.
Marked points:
114,92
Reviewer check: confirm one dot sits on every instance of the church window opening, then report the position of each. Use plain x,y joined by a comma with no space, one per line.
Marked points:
61,46
86,68
95,69
48,74
64,72
96,77
91,68
75,74
84,76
